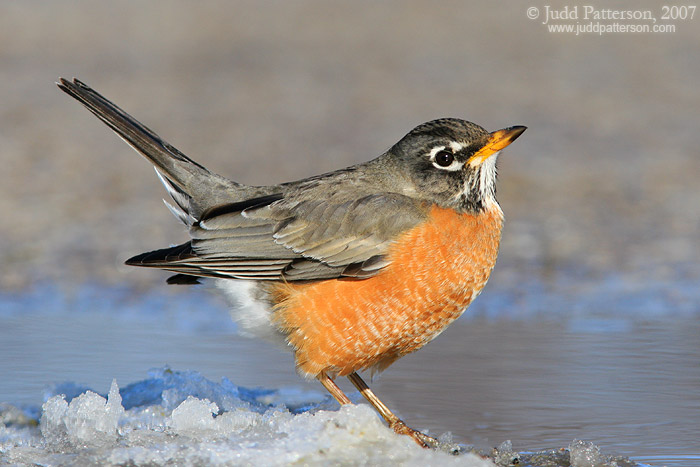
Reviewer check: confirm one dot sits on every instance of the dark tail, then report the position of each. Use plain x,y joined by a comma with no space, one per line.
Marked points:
188,177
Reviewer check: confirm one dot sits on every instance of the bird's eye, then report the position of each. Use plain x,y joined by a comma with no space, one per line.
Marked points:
444,158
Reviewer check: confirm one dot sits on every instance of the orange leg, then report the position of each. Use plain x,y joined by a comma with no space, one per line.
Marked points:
394,422
333,388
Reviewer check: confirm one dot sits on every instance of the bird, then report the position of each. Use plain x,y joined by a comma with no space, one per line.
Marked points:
350,270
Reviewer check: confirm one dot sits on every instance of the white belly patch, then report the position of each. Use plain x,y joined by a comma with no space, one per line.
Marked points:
252,315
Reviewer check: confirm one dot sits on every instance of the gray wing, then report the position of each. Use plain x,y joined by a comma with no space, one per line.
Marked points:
276,235
272,238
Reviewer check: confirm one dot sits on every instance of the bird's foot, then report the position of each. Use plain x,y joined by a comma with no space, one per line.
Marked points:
421,439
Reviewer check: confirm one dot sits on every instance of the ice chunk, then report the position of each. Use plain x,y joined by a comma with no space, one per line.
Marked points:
69,389
256,429
169,389
587,454
88,421
196,417
505,455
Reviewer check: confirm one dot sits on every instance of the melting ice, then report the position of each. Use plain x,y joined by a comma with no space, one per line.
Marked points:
182,418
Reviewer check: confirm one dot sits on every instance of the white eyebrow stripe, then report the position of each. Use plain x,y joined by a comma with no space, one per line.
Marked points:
456,147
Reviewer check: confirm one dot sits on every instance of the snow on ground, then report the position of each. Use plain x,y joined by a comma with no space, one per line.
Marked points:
181,418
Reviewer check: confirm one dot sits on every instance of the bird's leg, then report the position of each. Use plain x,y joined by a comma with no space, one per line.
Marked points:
395,423
333,388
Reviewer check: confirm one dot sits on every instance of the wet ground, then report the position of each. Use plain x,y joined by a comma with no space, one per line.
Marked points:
588,328
625,379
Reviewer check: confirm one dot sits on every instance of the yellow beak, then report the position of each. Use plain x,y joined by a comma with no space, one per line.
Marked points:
497,141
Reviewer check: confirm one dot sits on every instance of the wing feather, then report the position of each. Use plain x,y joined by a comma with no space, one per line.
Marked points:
280,239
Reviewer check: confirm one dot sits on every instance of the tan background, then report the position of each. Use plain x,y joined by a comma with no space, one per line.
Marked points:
605,178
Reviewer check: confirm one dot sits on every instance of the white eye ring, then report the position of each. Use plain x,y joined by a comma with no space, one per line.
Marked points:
455,165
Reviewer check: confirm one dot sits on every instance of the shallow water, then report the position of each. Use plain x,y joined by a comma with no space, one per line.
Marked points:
623,376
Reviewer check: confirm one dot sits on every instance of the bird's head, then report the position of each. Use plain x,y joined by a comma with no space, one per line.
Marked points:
452,162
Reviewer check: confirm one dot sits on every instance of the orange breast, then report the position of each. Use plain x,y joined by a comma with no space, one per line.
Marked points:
436,270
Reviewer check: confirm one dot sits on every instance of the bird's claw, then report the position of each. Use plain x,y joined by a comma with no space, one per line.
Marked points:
423,440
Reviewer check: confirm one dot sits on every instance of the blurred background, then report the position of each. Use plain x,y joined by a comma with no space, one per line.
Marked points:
589,326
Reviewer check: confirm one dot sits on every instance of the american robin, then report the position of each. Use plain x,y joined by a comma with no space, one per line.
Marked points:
352,269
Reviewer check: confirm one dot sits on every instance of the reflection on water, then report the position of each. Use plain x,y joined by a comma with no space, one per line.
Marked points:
627,382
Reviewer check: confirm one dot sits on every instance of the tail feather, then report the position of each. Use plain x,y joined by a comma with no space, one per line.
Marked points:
182,201
163,256
183,279
198,188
